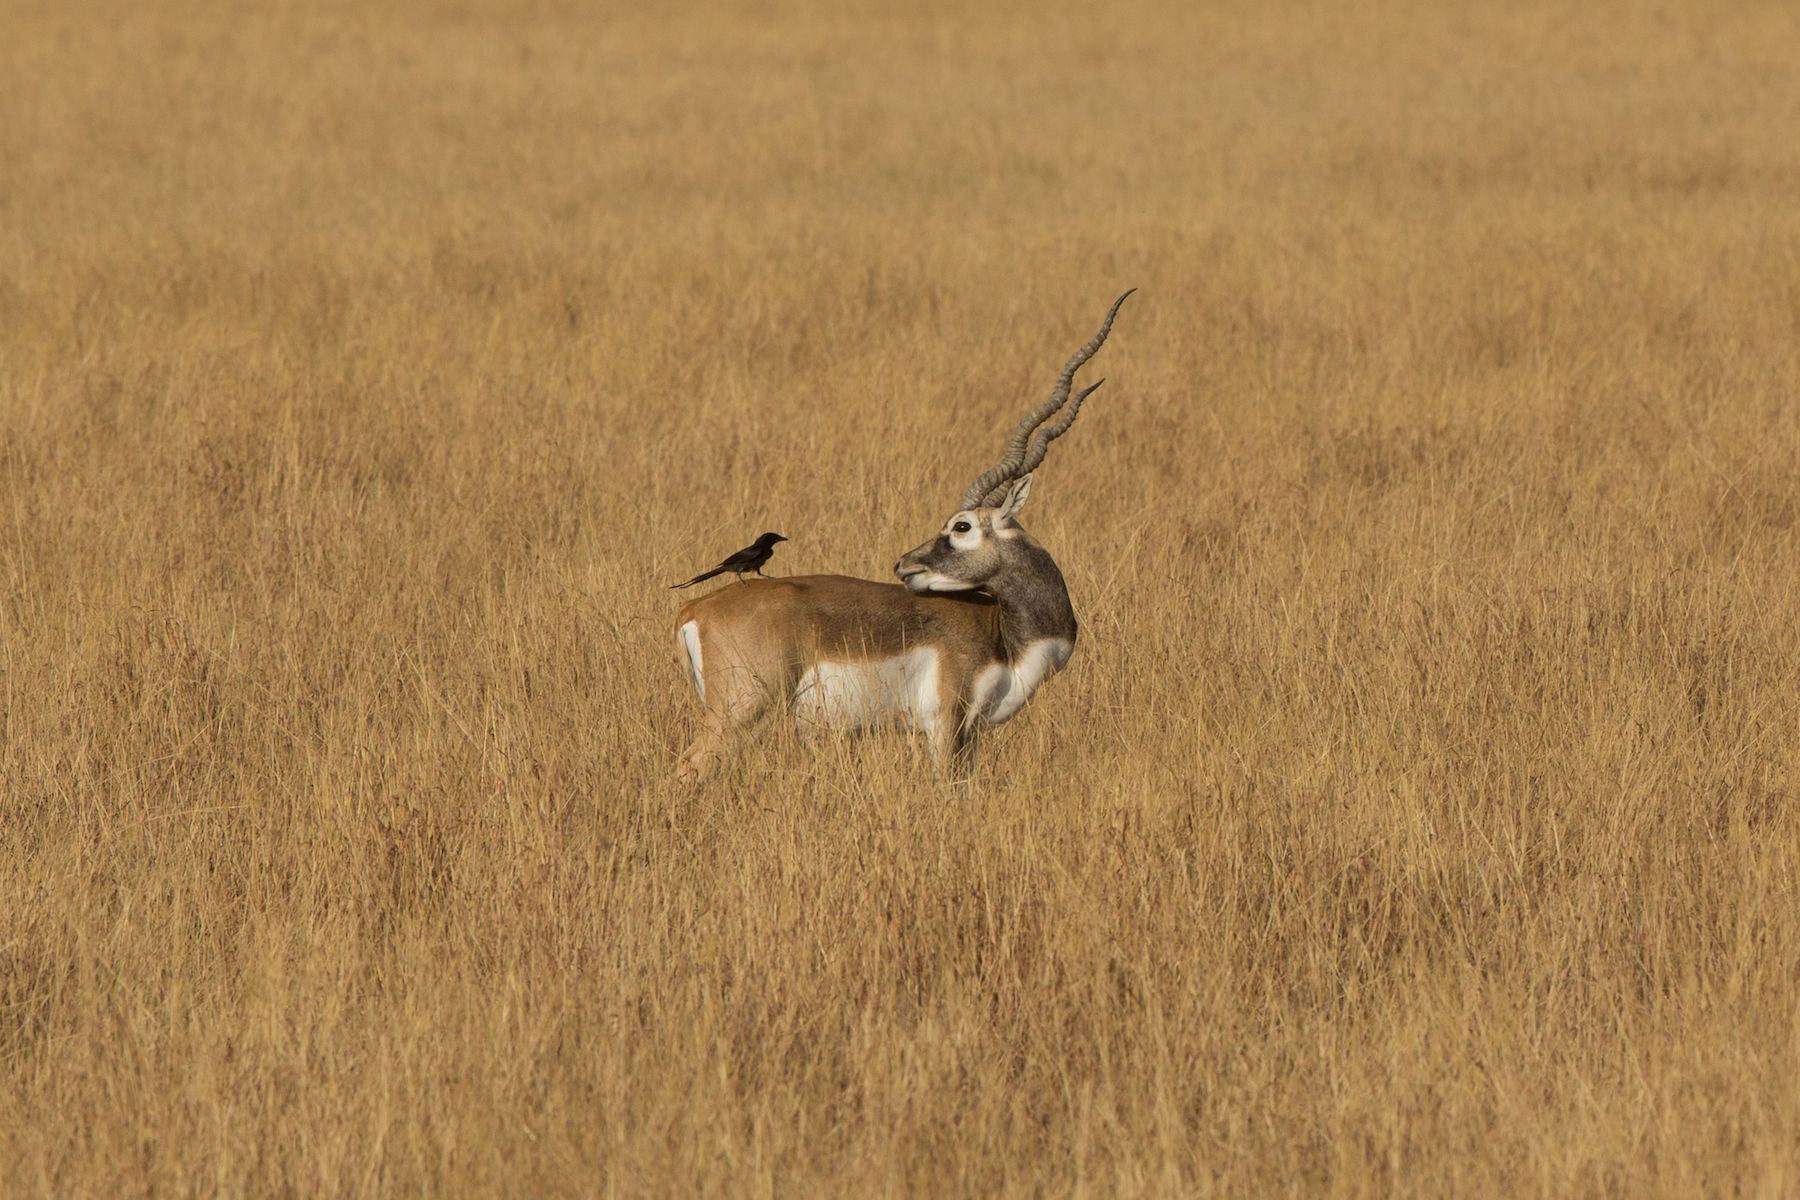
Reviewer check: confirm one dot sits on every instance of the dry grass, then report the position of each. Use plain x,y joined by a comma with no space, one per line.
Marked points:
1417,816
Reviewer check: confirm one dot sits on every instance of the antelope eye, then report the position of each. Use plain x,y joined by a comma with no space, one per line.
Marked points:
960,527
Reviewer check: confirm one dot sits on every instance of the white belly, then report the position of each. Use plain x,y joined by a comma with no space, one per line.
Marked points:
1002,689
900,691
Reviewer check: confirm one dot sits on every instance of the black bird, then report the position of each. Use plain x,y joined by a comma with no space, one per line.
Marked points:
750,558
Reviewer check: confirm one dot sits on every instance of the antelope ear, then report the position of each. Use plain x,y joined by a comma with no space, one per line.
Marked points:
1015,498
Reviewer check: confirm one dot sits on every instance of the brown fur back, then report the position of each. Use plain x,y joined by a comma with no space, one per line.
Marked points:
779,625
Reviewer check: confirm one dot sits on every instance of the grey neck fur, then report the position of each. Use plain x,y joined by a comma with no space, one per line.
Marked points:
1034,601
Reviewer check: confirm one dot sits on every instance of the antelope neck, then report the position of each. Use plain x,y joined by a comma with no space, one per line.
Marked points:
1033,606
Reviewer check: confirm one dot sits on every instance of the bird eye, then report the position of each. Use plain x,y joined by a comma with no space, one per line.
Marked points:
960,527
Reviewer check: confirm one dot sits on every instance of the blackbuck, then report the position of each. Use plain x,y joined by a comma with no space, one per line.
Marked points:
979,620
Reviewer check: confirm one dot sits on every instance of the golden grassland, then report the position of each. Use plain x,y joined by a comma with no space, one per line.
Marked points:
1418,814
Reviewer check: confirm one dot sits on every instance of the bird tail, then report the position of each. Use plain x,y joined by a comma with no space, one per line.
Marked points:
700,578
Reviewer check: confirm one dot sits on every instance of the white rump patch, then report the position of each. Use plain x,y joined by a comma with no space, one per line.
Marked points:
1002,689
690,641
902,691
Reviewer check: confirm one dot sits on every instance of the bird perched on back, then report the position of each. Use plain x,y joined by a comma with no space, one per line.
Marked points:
750,558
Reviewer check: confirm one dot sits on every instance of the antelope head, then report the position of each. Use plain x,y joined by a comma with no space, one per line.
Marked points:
983,545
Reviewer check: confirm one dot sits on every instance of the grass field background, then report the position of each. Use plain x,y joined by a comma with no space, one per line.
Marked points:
1417,815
